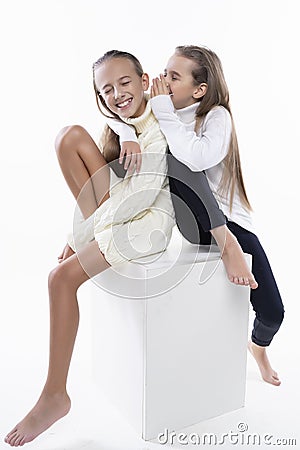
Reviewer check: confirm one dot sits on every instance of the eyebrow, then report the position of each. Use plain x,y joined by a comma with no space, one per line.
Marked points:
120,79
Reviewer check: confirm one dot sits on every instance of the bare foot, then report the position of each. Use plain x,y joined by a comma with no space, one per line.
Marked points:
235,264
260,355
48,410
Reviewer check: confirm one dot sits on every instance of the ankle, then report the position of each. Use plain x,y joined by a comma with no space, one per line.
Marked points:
258,349
54,392
230,244
225,239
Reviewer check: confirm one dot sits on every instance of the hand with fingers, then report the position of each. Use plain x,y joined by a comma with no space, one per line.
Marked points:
159,87
133,157
66,253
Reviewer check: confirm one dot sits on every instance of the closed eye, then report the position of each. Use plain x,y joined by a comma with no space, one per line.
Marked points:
173,77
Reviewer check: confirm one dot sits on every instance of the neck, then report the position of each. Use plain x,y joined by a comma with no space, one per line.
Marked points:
140,111
144,121
187,114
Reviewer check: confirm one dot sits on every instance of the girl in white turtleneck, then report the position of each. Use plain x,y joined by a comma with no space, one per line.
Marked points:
191,103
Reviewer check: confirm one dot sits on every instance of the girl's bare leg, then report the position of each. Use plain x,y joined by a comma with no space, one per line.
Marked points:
81,160
85,171
64,282
233,257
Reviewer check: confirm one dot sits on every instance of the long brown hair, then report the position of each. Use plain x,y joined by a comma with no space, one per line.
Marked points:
208,69
109,140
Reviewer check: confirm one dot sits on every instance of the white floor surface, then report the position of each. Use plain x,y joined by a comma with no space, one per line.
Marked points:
94,423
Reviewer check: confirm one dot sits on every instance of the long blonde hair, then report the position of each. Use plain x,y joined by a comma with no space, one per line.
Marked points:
109,141
208,69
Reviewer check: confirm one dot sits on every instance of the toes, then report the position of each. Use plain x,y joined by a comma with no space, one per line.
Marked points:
22,442
18,440
14,440
253,283
236,280
13,431
272,378
10,436
244,281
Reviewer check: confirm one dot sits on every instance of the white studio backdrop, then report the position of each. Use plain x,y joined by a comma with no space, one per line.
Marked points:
46,83
47,51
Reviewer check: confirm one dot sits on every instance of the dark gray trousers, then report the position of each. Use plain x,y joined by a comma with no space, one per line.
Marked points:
197,212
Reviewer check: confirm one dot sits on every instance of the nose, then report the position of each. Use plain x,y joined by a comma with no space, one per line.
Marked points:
118,94
167,79
168,82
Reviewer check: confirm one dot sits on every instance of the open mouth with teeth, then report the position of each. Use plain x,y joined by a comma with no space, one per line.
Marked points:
124,104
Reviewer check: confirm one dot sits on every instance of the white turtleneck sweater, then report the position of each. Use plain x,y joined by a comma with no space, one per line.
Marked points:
204,150
138,217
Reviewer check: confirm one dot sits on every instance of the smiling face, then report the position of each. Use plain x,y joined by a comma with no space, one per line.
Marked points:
178,74
121,87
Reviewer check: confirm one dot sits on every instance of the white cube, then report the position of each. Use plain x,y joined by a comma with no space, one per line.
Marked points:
170,338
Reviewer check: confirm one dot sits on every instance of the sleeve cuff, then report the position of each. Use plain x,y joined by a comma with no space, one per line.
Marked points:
123,130
162,104
128,137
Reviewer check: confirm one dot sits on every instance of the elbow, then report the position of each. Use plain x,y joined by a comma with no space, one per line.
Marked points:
176,158
197,168
174,165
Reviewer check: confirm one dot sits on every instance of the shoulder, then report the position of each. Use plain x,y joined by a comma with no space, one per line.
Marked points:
219,117
219,112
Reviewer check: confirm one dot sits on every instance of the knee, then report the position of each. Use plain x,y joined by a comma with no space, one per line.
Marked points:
55,278
278,315
59,277
67,137
274,318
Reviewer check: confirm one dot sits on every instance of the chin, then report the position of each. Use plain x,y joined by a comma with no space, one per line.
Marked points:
125,116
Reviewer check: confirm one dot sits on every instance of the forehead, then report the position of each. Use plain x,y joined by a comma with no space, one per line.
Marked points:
112,70
180,64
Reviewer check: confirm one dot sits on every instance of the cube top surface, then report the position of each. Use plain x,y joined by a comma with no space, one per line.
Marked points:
181,251
151,276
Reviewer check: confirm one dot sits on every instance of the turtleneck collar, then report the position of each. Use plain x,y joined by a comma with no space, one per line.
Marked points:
187,114
142,122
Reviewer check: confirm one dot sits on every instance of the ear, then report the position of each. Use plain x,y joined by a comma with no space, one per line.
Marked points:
145,81
200,91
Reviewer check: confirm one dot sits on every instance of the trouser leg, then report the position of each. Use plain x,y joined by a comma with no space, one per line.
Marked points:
196,209
266,299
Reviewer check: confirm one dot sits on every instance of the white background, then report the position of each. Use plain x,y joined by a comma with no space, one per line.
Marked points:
47,51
